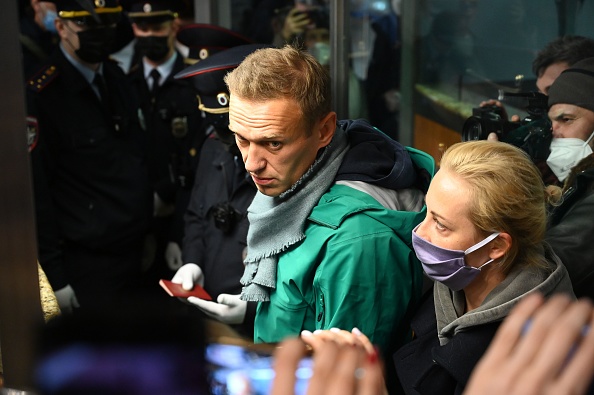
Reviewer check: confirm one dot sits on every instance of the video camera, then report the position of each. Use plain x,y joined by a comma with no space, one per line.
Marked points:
532,134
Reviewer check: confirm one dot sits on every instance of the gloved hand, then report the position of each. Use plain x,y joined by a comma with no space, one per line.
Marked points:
188,275
66,299
229,309
173,256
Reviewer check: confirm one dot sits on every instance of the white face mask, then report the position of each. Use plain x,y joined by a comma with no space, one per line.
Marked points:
566,153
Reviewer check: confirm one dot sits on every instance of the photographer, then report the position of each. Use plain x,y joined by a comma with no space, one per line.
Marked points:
554,58
571,101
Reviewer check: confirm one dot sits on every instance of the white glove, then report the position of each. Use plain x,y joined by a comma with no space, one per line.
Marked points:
229,309
173,256
66,299
188,275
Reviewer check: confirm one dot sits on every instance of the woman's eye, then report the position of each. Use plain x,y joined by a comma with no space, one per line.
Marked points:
439,225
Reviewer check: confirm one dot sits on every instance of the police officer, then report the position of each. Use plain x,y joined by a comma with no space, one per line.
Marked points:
173,121
173,116
90,176
215,222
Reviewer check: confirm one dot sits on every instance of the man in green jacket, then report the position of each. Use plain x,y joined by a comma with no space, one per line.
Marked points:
329,240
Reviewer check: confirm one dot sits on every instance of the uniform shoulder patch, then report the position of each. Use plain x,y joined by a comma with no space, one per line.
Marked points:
42,79
32,132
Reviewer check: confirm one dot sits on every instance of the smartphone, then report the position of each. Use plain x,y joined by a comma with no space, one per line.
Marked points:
177,290
234,369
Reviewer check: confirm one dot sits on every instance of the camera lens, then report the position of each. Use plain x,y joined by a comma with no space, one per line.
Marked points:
472,130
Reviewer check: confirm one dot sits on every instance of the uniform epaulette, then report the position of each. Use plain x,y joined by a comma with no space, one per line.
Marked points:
42,79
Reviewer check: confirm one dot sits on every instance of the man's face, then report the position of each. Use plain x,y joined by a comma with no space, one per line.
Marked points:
275,144
549,75
571,121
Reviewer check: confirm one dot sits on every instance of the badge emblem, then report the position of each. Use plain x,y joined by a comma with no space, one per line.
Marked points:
147,7
179,127
99,3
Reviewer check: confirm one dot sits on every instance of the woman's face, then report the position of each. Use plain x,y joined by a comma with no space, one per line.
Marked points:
448,223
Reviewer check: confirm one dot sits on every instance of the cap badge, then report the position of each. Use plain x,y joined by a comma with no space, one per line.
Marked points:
147,7
99,3
223,99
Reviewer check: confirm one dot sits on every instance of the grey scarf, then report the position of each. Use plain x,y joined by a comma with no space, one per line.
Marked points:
276,223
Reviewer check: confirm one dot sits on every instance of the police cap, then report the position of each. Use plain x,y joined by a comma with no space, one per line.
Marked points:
207,76
89,12
204,40
151,11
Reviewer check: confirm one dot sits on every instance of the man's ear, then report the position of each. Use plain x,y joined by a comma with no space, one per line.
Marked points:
500,246
327,126
61,27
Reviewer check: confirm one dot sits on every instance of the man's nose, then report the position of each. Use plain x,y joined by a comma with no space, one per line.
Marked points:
253,159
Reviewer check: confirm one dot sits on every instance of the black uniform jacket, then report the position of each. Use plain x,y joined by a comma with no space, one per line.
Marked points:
425,367
175,131
221,178
89,163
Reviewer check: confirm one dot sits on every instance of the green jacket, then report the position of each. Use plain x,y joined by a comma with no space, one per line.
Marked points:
355,268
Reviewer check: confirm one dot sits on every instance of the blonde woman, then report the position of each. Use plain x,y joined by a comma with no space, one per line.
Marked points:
482,244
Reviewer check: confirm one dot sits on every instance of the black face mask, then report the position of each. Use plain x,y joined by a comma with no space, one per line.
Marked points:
95,44
153,47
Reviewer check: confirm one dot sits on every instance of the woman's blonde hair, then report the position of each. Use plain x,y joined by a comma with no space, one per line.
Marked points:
507,195
274,73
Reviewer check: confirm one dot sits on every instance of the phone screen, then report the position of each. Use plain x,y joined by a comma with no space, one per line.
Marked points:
235,370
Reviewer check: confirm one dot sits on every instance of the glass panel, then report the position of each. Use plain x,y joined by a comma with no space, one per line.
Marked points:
375,44
469,49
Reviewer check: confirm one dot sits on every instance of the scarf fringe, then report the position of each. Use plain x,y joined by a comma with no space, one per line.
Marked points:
255,293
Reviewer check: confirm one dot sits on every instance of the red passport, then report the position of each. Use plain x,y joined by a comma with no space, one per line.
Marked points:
176,290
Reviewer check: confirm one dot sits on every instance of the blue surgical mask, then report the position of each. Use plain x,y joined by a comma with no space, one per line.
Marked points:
48,21
448,266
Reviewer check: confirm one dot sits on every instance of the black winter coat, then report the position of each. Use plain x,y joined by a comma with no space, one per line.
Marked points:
571,229
424,367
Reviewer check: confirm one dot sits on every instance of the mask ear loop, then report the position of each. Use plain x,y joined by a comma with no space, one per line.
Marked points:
481,244
589,138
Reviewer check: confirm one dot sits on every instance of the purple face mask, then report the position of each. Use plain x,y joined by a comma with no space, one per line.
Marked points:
448,266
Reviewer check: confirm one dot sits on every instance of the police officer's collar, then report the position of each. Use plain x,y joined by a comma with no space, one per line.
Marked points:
164,69
87,73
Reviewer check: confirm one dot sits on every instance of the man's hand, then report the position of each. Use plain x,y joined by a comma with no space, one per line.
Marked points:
295,23
188,275
554,355
493,102
173,256
66,299
229,309
338,368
